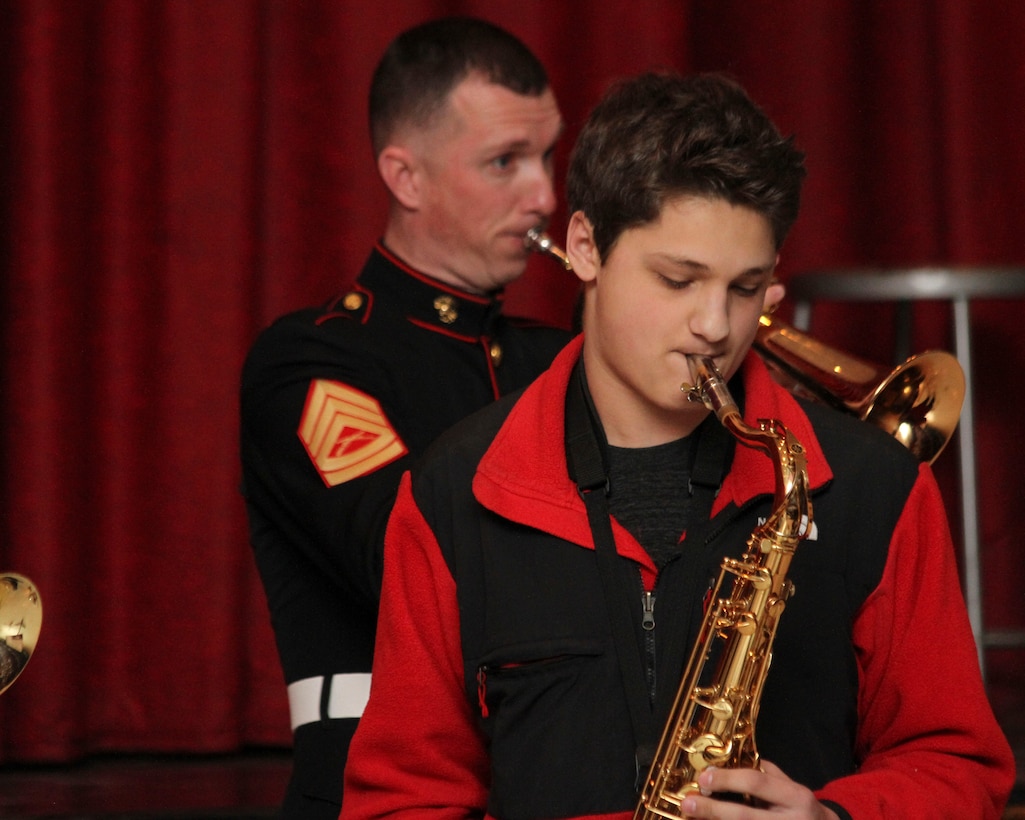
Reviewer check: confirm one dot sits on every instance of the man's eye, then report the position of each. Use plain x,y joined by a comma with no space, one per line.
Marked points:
502,162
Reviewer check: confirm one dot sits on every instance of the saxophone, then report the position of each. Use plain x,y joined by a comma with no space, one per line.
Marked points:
712,721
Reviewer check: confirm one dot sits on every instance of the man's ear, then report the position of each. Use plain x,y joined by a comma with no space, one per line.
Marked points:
397,167
580,247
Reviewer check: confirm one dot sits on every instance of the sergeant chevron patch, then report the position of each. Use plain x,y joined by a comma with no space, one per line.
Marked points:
345,432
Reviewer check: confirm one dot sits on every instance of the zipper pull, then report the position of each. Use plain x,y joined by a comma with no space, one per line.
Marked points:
648,608
482,683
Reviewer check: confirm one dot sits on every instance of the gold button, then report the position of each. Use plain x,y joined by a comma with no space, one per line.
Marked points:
352,301
496,354
446,307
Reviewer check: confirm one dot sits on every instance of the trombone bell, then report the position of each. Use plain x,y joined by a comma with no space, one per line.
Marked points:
918,402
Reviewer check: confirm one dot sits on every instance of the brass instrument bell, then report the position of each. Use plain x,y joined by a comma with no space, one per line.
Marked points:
918,402
21,616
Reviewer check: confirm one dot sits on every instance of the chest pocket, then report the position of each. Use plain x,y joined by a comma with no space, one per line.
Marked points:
542,676
548,708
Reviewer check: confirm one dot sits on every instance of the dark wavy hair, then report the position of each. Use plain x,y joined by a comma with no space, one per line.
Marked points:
661,135
423,64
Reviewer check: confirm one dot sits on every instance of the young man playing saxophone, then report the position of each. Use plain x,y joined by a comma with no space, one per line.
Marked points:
508,680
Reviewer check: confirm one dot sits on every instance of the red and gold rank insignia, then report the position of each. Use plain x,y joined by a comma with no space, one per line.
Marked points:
346,433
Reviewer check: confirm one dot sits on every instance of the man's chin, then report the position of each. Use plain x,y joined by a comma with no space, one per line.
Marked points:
505,272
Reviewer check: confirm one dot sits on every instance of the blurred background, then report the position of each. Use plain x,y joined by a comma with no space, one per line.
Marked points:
176,173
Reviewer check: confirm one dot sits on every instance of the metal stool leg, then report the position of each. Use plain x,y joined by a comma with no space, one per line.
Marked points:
802,315
969,491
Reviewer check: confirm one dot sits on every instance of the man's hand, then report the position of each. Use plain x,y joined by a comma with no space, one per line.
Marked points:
775,794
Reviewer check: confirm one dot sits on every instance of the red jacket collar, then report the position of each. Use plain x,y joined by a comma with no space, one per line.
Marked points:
524,477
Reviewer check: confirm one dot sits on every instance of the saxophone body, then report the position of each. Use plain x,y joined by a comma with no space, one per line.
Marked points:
712,721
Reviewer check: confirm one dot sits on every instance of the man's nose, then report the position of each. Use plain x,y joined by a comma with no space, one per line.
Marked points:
540,192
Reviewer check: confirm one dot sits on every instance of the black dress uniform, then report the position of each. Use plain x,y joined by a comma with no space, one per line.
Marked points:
336,402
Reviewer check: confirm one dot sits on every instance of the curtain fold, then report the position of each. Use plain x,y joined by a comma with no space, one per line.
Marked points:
173,175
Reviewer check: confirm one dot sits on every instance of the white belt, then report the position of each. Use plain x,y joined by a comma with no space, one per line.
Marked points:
347,698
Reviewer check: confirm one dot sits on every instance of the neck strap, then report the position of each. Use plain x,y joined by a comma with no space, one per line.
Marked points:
586,455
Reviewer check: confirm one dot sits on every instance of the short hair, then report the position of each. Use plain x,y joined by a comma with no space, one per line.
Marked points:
661,135
423,64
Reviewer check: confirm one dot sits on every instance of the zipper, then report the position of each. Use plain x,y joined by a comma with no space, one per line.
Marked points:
648,611
648,600
648,624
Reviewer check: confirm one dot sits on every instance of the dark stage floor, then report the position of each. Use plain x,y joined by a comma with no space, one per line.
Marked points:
248,785
243,786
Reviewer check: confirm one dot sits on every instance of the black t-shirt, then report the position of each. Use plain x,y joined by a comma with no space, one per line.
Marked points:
649,495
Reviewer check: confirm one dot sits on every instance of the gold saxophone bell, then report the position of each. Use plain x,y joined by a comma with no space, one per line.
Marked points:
918,402
21,616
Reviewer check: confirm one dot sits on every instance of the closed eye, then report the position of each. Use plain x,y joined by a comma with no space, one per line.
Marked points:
748,290
674,284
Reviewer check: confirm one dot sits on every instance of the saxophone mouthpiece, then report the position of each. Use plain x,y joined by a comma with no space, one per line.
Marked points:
709,386
540,242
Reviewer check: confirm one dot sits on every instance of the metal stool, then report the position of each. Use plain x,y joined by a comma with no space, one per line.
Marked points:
959,286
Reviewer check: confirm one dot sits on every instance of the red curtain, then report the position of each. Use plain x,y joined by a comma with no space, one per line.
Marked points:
175,174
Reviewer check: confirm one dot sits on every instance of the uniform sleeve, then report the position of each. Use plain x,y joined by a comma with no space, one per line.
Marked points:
336,524
928,741
417,752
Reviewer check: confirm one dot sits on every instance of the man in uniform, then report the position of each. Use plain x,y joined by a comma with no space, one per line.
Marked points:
338,400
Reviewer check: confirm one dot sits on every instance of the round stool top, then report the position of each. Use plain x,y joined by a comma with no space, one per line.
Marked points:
902,284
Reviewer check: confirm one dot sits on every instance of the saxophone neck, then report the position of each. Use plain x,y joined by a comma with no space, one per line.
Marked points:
791,505
709,388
